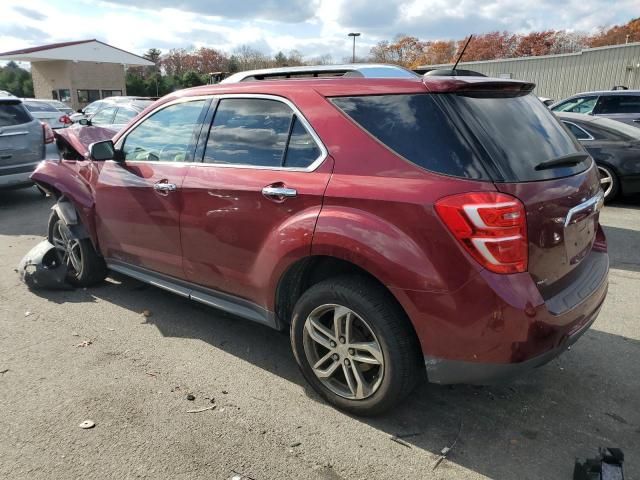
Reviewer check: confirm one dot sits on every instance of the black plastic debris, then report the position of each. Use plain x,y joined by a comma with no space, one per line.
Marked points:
606,466
41,268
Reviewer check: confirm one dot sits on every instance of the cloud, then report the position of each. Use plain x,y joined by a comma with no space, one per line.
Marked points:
23,31
287,11
29,13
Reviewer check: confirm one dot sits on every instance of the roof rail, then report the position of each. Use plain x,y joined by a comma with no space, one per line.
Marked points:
358,70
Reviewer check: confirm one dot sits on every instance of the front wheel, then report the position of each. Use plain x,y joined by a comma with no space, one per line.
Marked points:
355,345
84,266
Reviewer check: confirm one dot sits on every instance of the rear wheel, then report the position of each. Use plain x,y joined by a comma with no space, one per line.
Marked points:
608,182
84,266
355,345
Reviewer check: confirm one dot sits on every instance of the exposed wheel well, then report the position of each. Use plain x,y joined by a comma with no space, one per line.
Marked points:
311,270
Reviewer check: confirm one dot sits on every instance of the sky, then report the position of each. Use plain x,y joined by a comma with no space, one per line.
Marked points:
313,27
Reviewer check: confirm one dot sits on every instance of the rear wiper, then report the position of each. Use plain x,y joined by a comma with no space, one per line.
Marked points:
563,161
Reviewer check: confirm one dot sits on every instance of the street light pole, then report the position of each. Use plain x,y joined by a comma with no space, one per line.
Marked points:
354,35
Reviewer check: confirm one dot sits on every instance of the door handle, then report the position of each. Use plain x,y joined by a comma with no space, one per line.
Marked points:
164,187
279,193
637,120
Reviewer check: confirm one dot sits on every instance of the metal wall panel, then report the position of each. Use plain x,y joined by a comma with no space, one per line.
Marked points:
559,76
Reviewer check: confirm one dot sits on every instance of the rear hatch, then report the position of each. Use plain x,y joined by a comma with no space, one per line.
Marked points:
21,137
45,112
532,157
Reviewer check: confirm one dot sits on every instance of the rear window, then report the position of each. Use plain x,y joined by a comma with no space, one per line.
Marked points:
415,127
13,113
40,107
518,133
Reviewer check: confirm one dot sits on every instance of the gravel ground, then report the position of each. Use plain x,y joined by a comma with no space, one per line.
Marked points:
133,379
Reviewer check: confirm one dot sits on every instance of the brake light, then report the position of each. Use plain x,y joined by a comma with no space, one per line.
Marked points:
65,119
47,132
491,226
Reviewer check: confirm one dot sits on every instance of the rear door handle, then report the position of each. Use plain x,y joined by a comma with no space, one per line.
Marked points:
164,187
637,120
279,193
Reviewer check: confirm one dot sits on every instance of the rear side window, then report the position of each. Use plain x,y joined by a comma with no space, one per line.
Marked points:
13,113
415,127
578,132
259,132
611,104
518,133
577,105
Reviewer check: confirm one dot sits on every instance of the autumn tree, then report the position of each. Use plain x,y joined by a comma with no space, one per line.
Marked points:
535,43
438,52
618,34
404,50
489,46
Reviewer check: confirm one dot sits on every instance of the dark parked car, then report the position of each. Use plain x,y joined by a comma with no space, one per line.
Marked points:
615,147
621,105
23,143
392,225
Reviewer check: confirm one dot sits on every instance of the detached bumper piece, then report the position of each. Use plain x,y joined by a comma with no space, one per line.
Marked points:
606,466
41,268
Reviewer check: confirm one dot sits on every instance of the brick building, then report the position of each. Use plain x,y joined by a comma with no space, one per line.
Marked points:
77,73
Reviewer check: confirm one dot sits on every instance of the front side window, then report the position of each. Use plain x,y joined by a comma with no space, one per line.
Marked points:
86,96
577,105
166,135
104,116
612,104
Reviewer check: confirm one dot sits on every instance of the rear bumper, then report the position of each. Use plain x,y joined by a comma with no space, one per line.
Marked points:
498,326
447,372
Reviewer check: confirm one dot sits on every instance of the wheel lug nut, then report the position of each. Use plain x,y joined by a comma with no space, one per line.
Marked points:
342,340
333,344
335,356
346,362
351,351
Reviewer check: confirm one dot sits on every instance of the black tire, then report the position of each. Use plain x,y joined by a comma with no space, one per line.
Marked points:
403,361
609,193
93,268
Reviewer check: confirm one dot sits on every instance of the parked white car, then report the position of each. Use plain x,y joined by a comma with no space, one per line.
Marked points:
46,112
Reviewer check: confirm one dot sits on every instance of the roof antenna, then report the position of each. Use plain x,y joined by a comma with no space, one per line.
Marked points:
453,70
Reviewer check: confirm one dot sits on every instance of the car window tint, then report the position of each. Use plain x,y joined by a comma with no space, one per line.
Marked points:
611,104
166,135
104,116
124,115
249,131
302,149
577,105
415,127
13,113
578,132
40,107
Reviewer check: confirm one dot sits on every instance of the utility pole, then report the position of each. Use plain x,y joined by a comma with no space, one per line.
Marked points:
354,35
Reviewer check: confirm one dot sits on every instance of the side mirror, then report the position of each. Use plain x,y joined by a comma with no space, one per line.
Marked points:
105,150
85,121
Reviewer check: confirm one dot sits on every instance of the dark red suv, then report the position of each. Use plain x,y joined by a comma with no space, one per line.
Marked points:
390,224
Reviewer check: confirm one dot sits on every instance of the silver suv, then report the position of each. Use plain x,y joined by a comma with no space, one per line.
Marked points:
23,143
621,105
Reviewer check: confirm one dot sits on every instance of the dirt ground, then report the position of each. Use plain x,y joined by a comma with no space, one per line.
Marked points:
133,379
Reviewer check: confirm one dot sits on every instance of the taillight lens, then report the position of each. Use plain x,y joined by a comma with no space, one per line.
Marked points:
65,119
47,132
491,226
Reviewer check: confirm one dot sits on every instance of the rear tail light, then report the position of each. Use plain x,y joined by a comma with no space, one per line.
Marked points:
65,119
47,132
491,226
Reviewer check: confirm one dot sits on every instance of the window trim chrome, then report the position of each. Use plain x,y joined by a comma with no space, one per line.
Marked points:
590,137
324,153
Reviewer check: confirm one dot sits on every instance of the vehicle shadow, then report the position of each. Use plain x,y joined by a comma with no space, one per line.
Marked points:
537,425
626,255
24,211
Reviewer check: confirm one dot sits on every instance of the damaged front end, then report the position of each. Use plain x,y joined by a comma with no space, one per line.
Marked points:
42,268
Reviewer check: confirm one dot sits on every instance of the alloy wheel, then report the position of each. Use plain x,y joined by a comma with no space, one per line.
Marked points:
343,352
606,181
67,248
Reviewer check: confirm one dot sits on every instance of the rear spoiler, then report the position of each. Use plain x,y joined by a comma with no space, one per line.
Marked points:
480,86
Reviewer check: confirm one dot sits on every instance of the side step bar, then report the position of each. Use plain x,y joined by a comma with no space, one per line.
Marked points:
228,303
